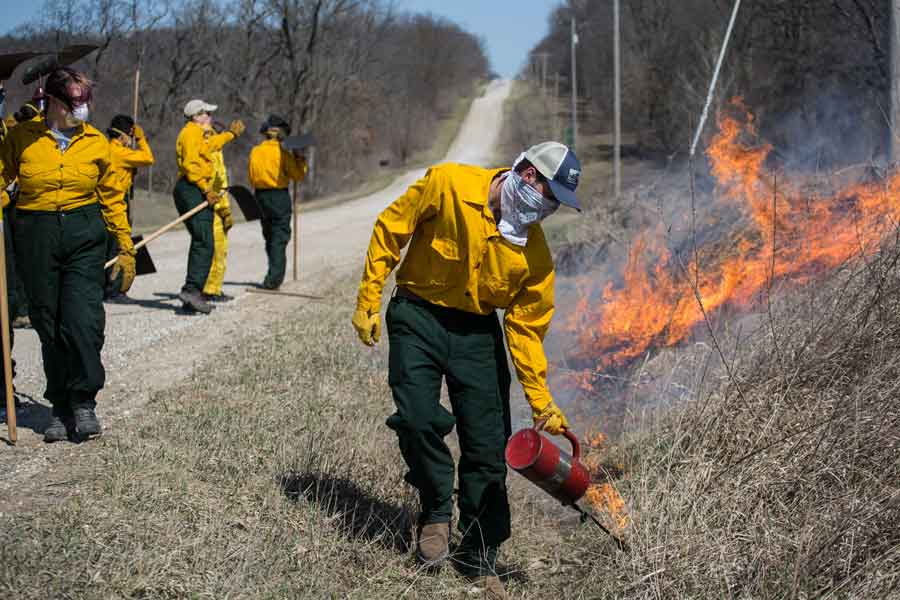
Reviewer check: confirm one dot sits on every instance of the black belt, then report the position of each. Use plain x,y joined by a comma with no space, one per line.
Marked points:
405,293
93,206
409,296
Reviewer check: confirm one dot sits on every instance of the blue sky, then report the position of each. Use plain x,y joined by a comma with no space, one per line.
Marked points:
509,28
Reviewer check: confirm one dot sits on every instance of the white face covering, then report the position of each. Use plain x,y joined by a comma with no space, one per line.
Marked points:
521,206
81,113
77,115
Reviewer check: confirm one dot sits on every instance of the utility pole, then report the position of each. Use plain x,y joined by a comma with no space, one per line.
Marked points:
617,77
543,56
556,127
575,88
894,146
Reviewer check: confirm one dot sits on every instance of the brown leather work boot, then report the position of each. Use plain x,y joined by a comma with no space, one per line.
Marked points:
491,588
434,544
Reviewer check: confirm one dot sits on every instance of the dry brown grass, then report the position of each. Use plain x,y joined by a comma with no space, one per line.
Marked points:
778,476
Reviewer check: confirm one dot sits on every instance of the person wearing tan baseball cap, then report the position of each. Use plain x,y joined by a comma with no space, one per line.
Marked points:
196,107
474,245
196,168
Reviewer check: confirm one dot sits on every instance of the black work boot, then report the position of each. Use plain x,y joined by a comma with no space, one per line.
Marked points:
217,298
56,430
86,422
193,301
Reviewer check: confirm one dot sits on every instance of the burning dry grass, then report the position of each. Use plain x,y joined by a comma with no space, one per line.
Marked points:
790,235
775,471
784,480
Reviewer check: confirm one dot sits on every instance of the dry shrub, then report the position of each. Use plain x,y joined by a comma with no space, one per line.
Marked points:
782,480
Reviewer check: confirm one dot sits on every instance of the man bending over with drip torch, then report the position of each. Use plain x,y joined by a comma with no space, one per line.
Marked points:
475,245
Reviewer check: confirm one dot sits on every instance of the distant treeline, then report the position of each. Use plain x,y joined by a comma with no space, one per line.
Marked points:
816,73
371,84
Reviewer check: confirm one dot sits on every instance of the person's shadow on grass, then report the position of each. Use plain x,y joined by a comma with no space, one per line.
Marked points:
30,414
359,514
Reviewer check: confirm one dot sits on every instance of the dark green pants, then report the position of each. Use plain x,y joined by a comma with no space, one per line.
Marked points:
62,255
21,300
200,226
429,343
275,206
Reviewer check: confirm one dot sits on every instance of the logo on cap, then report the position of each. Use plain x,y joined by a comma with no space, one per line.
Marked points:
572,178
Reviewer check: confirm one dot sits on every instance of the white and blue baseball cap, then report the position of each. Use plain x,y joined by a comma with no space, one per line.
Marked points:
559,165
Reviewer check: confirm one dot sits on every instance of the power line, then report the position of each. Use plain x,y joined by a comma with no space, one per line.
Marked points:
574,89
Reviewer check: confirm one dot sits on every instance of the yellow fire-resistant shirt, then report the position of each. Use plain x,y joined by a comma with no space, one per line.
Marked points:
273,168
458,259
50,180
194,149
126,160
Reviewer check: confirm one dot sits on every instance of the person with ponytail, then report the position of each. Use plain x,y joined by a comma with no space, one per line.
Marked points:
271,170
128,150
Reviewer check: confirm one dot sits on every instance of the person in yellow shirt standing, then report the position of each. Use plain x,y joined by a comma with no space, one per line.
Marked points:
129,150
194,149
65,206
475,245
271,170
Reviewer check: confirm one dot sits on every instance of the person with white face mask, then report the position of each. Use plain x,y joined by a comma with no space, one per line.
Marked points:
65,206
475,246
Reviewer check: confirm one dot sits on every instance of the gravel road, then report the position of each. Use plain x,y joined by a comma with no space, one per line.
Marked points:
151,344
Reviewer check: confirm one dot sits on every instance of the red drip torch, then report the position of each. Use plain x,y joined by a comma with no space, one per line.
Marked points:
559,474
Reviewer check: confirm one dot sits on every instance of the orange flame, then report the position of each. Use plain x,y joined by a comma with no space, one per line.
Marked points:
792,237
606,499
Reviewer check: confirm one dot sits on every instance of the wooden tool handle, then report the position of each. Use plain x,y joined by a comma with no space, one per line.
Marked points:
4,335
296,244
162,230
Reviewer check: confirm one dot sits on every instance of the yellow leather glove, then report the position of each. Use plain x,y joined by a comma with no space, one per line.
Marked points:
212,198
224,212
138,132
550,418
237,127
126,266
368,327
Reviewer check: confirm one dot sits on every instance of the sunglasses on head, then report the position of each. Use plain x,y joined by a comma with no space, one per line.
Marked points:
83,96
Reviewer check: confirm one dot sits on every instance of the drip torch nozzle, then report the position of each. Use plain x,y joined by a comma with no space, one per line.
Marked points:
585,516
